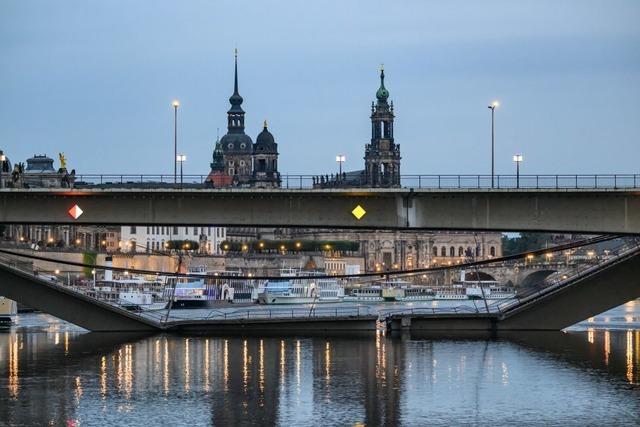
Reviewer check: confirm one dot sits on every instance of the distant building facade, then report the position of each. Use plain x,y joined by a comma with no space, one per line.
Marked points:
154,238
403,249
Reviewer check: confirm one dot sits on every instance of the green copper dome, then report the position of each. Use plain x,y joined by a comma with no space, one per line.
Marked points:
382,94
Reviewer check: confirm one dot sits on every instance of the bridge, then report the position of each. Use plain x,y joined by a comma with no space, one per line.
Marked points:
583,210
585,291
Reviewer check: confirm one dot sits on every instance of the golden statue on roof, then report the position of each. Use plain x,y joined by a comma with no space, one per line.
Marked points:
63,161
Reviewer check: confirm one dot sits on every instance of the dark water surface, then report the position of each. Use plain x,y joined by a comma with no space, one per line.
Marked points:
52,373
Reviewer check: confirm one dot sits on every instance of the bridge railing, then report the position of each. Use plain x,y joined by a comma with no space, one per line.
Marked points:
307,181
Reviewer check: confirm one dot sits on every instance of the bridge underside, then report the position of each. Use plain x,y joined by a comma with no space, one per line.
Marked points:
607,288
77,309
586,211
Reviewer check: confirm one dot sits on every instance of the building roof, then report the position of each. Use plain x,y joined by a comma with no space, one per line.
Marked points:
265,143
40,163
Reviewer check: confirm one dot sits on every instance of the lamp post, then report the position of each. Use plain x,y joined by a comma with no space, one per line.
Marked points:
175,105
181,158
492,107
340,158
517,158
3,159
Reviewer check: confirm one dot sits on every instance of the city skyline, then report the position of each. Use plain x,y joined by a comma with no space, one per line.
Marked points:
567,96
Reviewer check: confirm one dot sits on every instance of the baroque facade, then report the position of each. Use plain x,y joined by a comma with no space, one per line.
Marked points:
237,161
400,249
382,155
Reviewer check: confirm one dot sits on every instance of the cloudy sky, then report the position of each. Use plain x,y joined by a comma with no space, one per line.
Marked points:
95,80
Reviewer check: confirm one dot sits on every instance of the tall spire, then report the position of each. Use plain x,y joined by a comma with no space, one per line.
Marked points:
236,99
235,82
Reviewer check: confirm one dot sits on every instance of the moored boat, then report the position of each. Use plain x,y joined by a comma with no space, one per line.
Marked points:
8,311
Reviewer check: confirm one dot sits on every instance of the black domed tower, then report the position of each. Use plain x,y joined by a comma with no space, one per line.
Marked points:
237,146
382,155
265,161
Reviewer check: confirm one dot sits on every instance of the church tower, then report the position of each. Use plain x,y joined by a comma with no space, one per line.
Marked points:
236,146
382,155
265,161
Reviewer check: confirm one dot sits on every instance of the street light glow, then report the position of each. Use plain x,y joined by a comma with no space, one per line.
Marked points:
494,104
517,158
175,103
181,157
341,158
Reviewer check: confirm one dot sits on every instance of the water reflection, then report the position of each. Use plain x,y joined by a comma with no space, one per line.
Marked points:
381,380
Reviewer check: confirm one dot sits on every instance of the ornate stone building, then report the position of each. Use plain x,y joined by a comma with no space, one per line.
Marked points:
237,161
401,249
265,161
382,155
236,146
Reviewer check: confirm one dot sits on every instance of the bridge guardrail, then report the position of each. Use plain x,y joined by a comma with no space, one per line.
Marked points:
416,181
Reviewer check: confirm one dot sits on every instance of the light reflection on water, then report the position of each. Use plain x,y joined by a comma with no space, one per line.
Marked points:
585,376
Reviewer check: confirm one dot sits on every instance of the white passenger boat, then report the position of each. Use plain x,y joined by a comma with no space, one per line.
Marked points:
186,292
365,294
8,311
297,287
416,293
133,293
465,289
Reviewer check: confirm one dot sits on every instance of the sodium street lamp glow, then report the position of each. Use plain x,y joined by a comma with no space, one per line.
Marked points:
492,107
517,158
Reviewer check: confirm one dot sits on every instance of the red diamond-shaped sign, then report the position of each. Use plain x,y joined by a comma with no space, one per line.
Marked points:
75,212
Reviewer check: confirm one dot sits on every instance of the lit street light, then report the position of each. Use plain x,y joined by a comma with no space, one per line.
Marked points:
175,105
493,107
3,159
340,158
181,158
518,159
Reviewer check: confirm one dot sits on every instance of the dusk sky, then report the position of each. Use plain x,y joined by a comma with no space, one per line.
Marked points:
95,80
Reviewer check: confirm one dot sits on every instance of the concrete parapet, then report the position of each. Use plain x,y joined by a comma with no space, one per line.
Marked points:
343,325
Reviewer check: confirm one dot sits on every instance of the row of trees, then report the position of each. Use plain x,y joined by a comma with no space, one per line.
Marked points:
525,242
291,246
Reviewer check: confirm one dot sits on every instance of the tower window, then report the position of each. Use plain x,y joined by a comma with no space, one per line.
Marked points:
243,145
230,146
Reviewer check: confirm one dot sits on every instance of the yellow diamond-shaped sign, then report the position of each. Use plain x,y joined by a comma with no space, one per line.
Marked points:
358,212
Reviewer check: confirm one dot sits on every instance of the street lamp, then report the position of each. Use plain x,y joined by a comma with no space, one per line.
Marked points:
175,105
181,158
518,159
493,107
340,158
3,158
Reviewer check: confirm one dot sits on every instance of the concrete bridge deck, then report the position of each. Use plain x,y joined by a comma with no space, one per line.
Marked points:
566,210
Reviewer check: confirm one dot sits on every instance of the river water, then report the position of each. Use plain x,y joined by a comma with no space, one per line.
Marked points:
53,373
